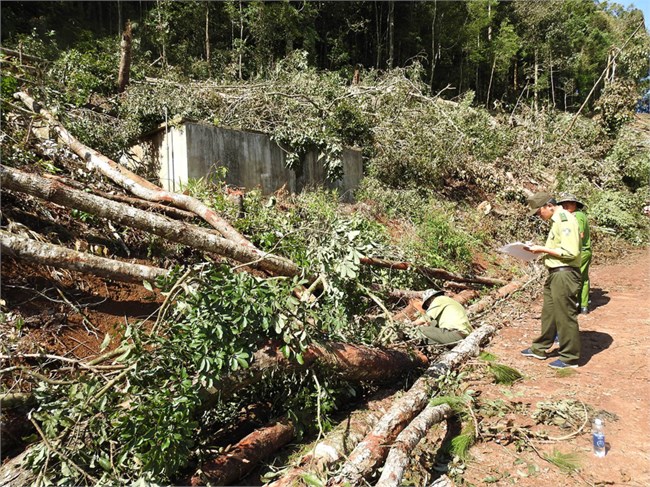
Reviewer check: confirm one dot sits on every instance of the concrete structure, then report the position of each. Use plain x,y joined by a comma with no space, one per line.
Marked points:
191,151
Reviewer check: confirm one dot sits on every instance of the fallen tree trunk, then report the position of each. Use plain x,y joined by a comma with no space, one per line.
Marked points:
368,454
487,301
35,252
171,211
176,231
430,271
339,442
351,362
400,453
373,449
245,455
131,181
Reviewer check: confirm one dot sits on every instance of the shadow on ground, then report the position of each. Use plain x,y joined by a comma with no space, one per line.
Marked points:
598,297
593,342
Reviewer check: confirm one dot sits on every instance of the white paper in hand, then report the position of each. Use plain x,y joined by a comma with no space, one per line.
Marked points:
517,250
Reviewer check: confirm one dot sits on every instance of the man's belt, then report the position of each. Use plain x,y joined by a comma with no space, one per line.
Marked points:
563,268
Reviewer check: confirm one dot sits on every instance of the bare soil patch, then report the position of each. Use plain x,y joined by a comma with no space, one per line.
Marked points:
612,379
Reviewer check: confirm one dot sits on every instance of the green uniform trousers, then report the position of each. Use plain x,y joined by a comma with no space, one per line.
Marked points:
442,336
560,315
585,260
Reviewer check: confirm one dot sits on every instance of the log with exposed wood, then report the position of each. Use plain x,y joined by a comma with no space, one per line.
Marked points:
132,182
350,362
35,252
339,442
369,454
400,452
430,271
175,231
245,455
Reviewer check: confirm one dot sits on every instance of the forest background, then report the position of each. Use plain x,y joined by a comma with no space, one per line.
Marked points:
461,110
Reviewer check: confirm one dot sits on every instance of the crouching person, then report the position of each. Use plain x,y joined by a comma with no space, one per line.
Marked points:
446,321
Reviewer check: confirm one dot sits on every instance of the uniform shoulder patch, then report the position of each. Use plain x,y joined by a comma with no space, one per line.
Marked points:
563,217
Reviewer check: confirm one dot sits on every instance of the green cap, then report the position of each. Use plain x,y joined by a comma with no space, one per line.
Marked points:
538,200
566,197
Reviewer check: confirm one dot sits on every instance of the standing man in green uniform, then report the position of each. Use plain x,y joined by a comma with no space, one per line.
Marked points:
446,320
574,206
561,255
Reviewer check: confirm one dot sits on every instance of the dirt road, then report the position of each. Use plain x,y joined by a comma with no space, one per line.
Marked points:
613,377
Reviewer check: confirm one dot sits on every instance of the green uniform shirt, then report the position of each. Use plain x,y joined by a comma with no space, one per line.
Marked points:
564,238
583,227
449,314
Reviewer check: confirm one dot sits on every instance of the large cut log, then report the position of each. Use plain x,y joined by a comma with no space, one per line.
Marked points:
35,252
339,442
175,231
429,271
245,455
350,362
131,181
368,454
400,453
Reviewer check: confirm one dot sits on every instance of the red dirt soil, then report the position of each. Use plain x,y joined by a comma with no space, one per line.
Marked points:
613,376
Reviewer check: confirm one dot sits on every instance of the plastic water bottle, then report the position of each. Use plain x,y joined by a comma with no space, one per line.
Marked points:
598,435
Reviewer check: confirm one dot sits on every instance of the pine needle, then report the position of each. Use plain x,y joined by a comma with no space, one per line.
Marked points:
566,462
487,356
504,374
457,403
461,443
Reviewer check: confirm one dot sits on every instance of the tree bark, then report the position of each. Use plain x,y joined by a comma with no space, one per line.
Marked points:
35,252
400,453
140,203
501,293
391,33
175,231
368,454
430,271
245,455
373,449
125,59
13,474
339,442
351,362
132,182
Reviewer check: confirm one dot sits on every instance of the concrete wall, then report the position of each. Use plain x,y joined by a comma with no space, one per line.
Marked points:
252,159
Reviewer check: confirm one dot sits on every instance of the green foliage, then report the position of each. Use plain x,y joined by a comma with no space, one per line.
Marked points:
460,444
145,423
8,85
620,212
567,462
87,70
617,104
504,374
441,243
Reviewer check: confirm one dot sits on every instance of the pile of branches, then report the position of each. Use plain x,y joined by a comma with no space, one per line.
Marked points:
247,326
